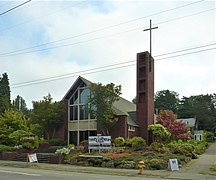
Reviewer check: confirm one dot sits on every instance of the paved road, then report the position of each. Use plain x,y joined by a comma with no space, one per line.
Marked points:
11,173
198,169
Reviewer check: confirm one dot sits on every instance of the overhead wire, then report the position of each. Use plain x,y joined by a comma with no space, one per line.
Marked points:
103,68
5,12
120,65
17,52
34,19
104,28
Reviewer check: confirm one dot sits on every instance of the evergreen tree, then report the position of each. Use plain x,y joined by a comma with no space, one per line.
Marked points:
4,93
20,104
166,100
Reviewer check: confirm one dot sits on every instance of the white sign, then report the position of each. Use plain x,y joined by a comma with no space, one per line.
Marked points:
173,165
99,142
32,158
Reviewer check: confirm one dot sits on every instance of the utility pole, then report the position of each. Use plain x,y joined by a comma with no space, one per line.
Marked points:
150,29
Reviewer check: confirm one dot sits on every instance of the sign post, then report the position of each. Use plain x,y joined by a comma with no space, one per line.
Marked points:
99,142
173,165
32,158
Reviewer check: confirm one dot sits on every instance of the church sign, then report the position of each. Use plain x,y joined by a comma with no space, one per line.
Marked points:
99,142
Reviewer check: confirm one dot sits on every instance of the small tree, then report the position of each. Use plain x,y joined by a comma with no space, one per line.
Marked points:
119,141
10,122
177,129
49,115
160,132
102,97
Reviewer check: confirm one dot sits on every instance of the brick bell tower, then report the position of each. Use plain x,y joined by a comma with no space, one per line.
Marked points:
145,94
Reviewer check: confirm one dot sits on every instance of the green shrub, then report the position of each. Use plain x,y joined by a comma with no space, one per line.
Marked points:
95,162
138,143
27,145
56,142
4,148
213,168
159,147
52,149
208,136
36,142
119,141
155,164
18,136
127,164
128,142
180,147
43,141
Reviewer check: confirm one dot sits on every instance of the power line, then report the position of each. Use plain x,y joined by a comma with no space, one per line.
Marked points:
99,69
101,29
17,52
15,7
34,19
187,49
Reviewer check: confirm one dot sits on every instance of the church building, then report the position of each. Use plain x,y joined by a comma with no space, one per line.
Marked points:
132,119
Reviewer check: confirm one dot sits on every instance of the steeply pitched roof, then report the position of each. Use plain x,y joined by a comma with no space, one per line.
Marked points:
75,85
190,122
122,107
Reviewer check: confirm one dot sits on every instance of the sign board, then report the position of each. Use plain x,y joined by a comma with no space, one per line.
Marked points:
99,142
32,157
173,165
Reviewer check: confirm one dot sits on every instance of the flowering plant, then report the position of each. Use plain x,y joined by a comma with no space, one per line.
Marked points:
64,150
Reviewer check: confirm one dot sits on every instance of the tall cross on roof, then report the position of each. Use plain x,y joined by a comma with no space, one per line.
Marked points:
150,29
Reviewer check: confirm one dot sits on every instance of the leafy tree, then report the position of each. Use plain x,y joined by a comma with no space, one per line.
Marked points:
202,107
4,93
177,129
166,99
102,97
11,121
160,132
48,114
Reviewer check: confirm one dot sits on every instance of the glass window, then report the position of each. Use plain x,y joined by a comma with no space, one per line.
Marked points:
83,135
84,96
83,112
74,99
73,137
92,112
73,112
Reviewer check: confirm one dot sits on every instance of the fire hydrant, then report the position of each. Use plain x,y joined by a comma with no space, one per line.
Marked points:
141,166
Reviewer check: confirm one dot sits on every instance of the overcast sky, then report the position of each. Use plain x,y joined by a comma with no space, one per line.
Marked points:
46,45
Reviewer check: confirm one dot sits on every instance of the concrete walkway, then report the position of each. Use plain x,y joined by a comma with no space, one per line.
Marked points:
198,169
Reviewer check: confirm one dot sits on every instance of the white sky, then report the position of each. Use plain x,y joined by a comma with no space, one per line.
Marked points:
103,33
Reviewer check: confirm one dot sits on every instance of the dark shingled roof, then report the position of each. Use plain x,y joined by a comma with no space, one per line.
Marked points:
121,107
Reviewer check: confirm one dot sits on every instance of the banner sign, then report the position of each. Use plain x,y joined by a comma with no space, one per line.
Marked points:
173,165
99,142
32,158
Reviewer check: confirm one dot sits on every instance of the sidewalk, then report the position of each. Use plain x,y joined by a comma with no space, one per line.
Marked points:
198,169
86,169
